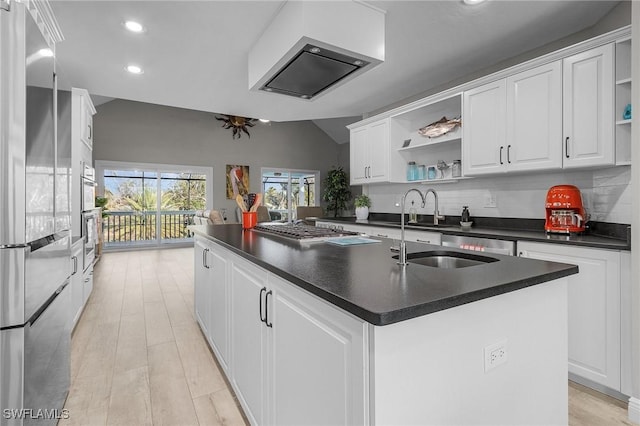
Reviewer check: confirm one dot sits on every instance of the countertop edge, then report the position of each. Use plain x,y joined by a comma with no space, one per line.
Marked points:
387,318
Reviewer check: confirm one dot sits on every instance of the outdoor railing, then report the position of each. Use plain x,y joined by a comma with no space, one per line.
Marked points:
130,226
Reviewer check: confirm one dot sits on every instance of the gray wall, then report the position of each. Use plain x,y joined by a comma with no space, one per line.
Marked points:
147,133
618,17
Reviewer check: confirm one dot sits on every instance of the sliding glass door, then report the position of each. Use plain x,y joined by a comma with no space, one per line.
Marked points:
150,205
284,190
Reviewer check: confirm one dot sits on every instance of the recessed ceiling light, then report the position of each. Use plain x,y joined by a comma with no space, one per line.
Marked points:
134,27
473,2
264,120
314,50
134,69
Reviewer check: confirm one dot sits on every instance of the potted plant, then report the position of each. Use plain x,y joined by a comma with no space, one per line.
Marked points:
362,203
336,191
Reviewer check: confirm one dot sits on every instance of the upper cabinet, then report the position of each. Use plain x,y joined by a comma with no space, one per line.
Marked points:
568,109
588,96
483,129
514,124
369,153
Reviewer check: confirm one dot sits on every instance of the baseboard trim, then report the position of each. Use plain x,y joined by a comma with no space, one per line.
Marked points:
634,410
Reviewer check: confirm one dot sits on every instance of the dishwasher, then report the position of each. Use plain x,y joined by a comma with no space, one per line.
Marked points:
487,245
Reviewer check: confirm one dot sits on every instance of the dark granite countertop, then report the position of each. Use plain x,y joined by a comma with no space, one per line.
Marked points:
366,281
613,237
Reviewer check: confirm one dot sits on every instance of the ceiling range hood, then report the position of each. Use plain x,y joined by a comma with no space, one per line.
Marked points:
311,47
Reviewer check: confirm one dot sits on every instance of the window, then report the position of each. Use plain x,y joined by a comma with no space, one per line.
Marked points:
150,205
283,190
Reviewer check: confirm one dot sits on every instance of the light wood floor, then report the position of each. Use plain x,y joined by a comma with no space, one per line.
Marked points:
138,356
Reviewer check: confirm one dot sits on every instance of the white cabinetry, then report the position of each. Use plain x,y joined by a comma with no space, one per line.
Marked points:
289,348
588,109
82,111
483,129
249,339
514,124
534,119
87,285
424,237
317,360
76,282
210,297
594,309
369,153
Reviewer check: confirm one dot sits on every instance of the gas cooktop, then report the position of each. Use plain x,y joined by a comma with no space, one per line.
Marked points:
302,233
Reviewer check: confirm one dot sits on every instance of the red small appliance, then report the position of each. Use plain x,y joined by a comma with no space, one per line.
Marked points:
564,210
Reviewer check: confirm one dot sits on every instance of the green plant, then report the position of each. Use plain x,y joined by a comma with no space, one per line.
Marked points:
336,191
362,201
102,202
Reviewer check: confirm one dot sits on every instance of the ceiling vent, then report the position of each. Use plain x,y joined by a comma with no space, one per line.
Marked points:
312,47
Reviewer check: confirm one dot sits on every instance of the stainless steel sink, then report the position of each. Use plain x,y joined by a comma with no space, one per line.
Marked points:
447,259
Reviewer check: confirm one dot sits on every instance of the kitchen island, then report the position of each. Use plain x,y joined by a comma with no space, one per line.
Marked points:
320,333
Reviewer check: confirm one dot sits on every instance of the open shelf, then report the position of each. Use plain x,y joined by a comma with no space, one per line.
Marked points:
623,122
418,141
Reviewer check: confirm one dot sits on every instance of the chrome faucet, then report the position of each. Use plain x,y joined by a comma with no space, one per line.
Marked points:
436,213
402,255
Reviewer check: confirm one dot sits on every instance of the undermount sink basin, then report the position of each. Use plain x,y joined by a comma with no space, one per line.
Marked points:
447,259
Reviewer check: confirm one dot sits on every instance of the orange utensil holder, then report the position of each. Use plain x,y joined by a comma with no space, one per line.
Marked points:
249,219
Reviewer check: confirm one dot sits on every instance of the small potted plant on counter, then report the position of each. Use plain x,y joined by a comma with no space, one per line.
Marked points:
362,203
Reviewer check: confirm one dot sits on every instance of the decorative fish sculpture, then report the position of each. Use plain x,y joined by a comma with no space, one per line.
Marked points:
440,127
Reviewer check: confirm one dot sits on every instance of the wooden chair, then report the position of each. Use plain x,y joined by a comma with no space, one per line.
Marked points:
263,214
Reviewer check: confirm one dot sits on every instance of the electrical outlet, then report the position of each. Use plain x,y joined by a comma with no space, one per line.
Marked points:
495,355
491,201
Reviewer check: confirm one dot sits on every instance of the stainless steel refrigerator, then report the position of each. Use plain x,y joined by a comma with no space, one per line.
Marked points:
34,231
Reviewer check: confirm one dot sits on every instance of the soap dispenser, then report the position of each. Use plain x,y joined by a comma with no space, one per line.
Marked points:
466,217
413,214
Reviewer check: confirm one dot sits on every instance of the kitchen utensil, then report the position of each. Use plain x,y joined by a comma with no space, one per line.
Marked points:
240,202
249,219
257,202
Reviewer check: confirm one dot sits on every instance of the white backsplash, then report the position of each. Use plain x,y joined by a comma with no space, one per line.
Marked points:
606,194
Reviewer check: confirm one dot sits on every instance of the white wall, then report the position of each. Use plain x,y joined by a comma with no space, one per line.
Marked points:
606,194
146,133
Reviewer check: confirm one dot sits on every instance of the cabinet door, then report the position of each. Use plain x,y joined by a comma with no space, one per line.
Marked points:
201,292
317,361
483,129
77,285
382,232
87,286
424,237
534,119
359,156
588,88
378,144
218,318
248,338
87,127
594,309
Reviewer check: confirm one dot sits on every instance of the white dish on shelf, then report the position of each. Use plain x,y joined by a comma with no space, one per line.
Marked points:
466,225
